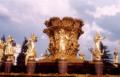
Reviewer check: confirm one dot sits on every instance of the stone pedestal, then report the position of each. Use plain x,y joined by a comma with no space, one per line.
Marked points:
99,68
0,66
31,66
62,66
8,66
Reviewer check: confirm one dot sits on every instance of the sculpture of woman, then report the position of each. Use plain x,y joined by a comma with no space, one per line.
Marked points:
31,52
9,49
98,51
1,49
62,40
116,55
115,59
98,38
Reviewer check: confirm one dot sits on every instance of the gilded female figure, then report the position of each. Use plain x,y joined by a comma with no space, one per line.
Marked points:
31,52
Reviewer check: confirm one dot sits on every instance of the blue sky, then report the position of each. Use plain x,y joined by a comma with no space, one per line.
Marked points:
20,18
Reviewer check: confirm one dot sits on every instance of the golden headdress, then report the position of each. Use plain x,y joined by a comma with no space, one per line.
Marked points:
33,37
10,38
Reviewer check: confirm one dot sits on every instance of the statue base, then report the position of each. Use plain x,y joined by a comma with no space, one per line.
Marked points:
62,66
31,66
99,68
8,66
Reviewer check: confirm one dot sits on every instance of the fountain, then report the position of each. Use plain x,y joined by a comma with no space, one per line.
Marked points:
62,60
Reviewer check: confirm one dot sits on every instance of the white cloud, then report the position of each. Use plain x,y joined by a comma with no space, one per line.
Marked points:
97,28
34,10
110,10
90,29
3,10
43,37
52,8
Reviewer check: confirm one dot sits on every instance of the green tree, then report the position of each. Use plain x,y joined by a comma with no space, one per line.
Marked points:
106,57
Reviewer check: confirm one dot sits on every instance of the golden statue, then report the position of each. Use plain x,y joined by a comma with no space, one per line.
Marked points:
96,55
82,57
116,59
31,52
98,39
97,52
9,49
63,34
63,40
1,49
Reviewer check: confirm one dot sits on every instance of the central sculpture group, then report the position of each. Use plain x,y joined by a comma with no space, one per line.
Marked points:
63,34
